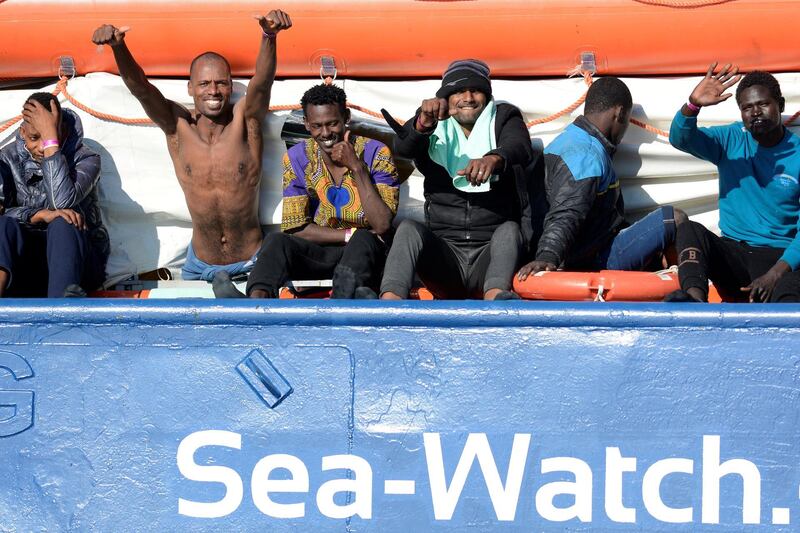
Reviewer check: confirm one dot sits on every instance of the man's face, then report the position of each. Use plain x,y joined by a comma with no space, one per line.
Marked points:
761,112
210,86
326,124
466,106
620,125
33,140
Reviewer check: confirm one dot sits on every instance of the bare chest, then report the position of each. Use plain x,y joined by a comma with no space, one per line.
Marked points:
224,163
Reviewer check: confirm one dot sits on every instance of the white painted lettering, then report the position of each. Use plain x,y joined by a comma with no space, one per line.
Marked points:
616,465
210,474
713,471
651,490
360,486
504,496
261,485
581,489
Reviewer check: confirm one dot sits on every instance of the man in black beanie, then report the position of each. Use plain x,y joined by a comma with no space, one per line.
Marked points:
471,152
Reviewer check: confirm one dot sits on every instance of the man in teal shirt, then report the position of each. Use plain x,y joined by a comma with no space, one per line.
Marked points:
759,196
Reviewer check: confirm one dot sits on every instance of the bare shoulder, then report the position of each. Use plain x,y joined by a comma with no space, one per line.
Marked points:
180,111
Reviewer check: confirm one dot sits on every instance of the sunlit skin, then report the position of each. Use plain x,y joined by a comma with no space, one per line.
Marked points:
216,148
466,106
210,87
327,125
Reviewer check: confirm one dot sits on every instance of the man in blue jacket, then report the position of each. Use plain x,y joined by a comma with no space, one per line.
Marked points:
585,228
759,196
51,233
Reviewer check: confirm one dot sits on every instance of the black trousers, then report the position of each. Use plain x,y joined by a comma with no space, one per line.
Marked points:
729,264
284,257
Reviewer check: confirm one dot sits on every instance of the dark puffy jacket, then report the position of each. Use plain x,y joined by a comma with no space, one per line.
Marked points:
470,217
584,207
65,180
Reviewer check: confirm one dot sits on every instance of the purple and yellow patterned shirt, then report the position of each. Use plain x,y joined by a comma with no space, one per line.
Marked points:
310,195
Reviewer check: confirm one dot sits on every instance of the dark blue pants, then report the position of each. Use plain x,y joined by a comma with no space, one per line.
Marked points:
52,257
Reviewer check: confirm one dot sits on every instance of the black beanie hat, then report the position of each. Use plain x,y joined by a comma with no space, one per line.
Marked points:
465,74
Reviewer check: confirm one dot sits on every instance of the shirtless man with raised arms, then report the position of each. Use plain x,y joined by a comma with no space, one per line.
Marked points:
215,149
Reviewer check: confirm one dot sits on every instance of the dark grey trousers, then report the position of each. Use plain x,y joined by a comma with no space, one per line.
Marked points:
451,270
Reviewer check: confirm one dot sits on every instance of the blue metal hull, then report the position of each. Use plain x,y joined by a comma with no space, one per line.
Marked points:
521,416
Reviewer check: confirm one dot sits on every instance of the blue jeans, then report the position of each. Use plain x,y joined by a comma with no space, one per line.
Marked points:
195,269
635,246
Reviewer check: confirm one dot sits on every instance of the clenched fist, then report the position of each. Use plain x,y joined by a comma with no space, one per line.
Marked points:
110,35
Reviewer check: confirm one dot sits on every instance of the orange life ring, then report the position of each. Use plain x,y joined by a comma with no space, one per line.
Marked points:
606,285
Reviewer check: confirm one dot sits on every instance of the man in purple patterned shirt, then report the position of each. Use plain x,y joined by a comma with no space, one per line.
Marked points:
340,194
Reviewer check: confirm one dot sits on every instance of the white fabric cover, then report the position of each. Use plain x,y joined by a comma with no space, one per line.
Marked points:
145,211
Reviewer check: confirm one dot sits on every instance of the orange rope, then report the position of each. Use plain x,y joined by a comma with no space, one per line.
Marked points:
648,127
9,123
587,77
683,5
61,87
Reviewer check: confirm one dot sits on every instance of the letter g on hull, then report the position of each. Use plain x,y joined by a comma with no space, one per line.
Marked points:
20,401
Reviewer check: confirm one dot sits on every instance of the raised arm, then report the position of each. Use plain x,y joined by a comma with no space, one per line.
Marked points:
684,133
260,86
160,110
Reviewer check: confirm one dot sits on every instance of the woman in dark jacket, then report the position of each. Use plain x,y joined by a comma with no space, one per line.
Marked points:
51,233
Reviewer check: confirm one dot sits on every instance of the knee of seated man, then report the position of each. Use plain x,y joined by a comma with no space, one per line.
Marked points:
59,226
276,239
364,237
507,230
408,228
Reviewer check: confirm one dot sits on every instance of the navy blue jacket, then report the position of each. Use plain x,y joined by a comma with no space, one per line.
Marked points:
65,180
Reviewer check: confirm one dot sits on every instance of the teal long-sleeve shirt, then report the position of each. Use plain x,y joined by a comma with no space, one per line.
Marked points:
759,193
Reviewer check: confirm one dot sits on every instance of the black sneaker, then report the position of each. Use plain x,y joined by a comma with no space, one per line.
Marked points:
680,296
507,295
344,283
365,293
74,291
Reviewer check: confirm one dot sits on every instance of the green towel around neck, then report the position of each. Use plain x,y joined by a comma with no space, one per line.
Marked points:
452,149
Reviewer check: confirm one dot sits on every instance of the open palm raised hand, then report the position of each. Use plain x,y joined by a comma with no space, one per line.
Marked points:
711,90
